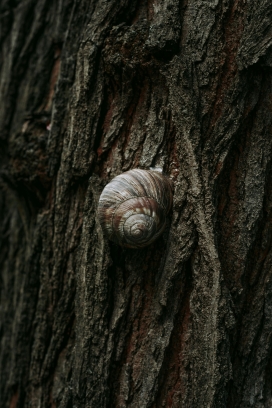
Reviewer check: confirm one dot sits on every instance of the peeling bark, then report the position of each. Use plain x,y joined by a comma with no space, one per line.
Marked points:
89,90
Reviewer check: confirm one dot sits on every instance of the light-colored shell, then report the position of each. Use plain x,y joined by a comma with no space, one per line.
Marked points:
132,208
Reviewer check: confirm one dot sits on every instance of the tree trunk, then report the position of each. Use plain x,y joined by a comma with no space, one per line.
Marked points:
90,89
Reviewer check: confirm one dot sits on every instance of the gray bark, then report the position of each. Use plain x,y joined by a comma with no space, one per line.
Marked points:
90,89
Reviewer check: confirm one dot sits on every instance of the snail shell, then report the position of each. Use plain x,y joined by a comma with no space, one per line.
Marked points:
133,207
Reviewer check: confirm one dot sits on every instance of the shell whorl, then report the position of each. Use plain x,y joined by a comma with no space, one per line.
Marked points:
132,208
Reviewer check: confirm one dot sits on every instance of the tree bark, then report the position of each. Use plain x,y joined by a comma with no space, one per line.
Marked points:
90,89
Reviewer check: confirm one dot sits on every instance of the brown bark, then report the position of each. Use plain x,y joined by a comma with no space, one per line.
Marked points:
90,89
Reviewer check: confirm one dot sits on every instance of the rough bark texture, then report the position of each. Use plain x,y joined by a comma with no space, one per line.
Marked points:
90,89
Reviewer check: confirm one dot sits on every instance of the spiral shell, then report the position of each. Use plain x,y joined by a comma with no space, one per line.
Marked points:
133,207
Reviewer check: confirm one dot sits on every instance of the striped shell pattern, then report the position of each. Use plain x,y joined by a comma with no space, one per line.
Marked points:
133,207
